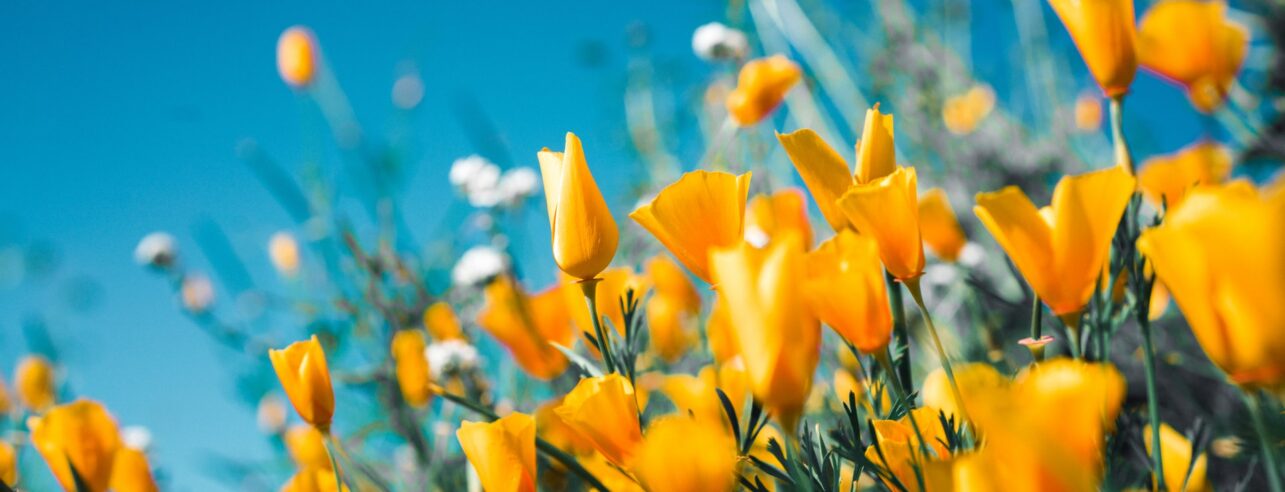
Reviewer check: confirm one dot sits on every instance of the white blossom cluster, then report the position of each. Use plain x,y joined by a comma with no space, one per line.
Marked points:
485,186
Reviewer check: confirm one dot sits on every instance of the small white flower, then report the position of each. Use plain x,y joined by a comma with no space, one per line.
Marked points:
197,293
971,255
408,91
450,355
157,249
715,41
478,264
136,437
518,184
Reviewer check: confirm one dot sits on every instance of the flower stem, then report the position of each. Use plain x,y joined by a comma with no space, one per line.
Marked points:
1153,405
1072,322
331,444
1122,156
590,288
1269,454
1037,325
899,329
882,358
917,294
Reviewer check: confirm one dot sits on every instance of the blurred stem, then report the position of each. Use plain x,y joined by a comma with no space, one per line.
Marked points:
590,288
1072,322
1122,156
1264,439
1037,323
332,448
899,329
916,293
1153,408
882,358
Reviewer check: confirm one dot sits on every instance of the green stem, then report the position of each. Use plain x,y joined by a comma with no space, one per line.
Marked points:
331,444
1122,155
917,294
1037,325
1072,322
1269,454
1153,405
590,288
899,329
882,358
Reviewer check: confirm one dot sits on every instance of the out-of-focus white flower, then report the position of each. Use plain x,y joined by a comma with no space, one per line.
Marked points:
478,264
197,293
271,414
284,252
448,355
157,249
408,91
939,275
971,255
715,41
136,437
518,184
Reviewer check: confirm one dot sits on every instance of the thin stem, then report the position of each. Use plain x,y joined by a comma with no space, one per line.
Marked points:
917,294
1269,454
1072,322
590,288
899,329
1037,325
1122,156
1153,406
882,358
332,445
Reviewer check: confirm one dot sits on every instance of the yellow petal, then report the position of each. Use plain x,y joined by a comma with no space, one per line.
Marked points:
939,226
8,464
846,290
297,57
1018,228
441,323
605,412
502,452
1193,43
411,366
703,210
1176,459
1103,30
527,324
770,216
131,472
825,173
584,233
682,454
888,210
301,368
307,447
1088,208
34,383
80,434
876,151
760,87
1165,179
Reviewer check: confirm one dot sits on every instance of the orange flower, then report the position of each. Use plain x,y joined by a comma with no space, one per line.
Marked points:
553,429
303,372
502,452
939,226
5,403
1176,454
720,334
760,88
441,323
1194,44
900,450
80,434
8,464
1103,30
307,447
313,480
297,57
1165,179
584,234
784,210
527,324
887,209
1088,112
699,394
702,211
34,382
682,454
1060,249
845,287
411,366
132,473
605,412
673,310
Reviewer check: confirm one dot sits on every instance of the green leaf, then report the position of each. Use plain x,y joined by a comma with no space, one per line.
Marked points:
579,360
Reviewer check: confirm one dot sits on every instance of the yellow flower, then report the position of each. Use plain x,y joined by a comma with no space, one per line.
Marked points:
441,323
605,412
682,454
297,57
770,216
611,475
973,378
760,88
1088,112
1219,256
828,176
776,334
131,472
702,211
502,452
584,234
553,429
939,226
34,382
411,366
527,324
845,288
307,447
79,434
283,250
1165,179
900,450
304,375
699,394
313,480
962,113
5,403
1194,44
8,464
887,210
1175,451
1103,30
719,333
1060,249
673,310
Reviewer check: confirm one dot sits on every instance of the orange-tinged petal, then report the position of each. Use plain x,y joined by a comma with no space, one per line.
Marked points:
131,472
888,210
1104,32
502,452
939,226
772,215
34,383
553,429
411,366
1176,460
441,323
8,464
611,288
846,290
80,434
301,368
876,151
527,324
703,210
672,330
313,480
584,233
605,412
1088,208
1165,179
962,113
307,447
670,281
297,56
1193,44
720,334
1018,228
760,88
824,172
973,379
682,454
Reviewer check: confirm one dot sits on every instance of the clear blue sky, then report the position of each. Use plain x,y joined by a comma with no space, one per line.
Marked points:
121,118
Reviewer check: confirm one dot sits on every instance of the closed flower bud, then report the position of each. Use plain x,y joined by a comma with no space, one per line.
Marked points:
1175,452
584,233
131,472
887,209
303,372
1104,32
80,434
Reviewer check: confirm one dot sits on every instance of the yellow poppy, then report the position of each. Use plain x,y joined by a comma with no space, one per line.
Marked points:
887,209
760,88
1165,179
1194,44
583,231
939,226
672,310
313,480
297,56
307,447
410,364
699,394
974,379
79,434
719,333
1175,451
8,464
131,472
34,383
770,215
845,288
612,284
441,323
682,454
702,211
527,324
502,452
553,429
901,450
1104,32
304,375
604,411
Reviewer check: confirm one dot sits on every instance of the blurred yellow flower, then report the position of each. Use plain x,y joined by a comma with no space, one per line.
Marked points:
699,394
283,250
770,215
776,334
845,289
1088,112
760,88
297,56
604,411
79,434
502,452
900,450
720,334
313,480
887,209
307,447
962,113
1060,249
673,310
700,212
973,379
939,226
611,287
553,429
874,399
8,464
304,375
1165,179
1104,32
611,475
1175,451
584,233
6,404
441,323
410,363
34,383
1194,44
682,454
527,324
1219,255
131,472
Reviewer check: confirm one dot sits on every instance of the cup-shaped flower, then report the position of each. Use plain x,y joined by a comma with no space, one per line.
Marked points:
1165,179
605,412
700,212
760,88
939,226
845,288
8,464
887,209
441,322
502,452
771,215
34,383
584,233
79,434
1077,402
307,447
1219,254
777,336
683,454
1193,43
1060,249
526,325
297,56
1104,32
1175,452
131,472
410,364
304,375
